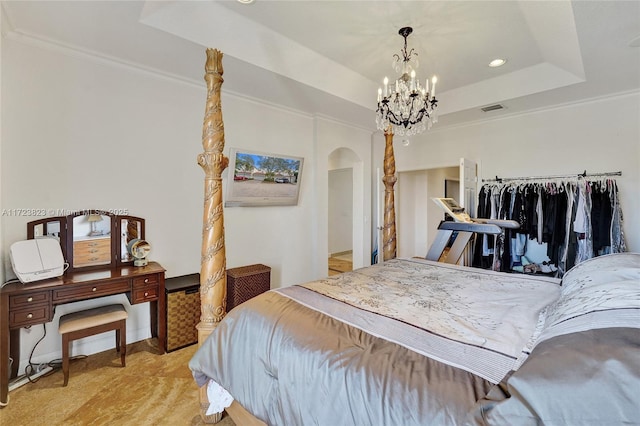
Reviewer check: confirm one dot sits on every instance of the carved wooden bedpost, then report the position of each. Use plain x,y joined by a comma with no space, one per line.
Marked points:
213,278
389,179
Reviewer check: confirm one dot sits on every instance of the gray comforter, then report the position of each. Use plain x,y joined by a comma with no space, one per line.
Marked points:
405,342
309,355
291,365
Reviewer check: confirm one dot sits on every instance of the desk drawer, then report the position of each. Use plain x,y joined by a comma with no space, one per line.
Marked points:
145,294
30,299
89,291
145,281
31,316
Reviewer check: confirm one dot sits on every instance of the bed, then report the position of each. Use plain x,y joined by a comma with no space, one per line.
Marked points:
453,346
411,341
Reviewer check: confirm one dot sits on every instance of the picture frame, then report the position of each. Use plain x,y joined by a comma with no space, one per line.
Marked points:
257,179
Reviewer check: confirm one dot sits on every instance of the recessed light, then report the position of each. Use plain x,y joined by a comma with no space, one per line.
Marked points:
497,63
246,1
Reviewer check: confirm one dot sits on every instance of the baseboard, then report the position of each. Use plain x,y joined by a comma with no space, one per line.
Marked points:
341,253
87,346
16,383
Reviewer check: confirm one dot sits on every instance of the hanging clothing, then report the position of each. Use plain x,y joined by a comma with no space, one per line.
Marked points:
616,234
577,219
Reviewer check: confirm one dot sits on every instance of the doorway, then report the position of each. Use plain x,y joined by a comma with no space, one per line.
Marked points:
345,211
418,216
340,209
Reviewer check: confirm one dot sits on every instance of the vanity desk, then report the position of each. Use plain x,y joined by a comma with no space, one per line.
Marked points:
29,304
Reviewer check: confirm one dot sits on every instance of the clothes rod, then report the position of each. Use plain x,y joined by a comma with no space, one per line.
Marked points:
583,175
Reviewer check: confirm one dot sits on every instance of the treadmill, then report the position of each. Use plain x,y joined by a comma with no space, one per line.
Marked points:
453,236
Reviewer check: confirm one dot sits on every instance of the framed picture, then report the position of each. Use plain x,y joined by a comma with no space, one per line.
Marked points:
260,179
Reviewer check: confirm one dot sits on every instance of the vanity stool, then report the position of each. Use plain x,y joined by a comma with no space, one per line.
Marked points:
86,323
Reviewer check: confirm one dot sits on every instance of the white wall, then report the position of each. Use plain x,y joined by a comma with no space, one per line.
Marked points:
2,27
76,129
599,136
275,236
76,132
412,202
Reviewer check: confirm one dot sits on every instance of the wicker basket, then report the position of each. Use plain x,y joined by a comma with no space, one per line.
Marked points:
183,311
183,300
246,282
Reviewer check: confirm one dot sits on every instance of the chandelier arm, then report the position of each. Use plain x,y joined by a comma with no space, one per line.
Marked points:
395,120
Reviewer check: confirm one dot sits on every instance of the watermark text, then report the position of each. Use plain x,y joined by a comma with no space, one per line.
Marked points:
45,212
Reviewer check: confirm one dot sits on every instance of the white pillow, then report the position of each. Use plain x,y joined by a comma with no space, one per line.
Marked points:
603,284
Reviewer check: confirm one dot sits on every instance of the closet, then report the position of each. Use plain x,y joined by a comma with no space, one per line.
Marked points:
576,217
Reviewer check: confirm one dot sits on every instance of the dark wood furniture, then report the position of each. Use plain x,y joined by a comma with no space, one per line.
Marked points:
90,322
24,305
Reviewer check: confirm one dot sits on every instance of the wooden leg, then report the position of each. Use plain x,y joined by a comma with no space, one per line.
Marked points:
65,358
241,416
123,341
153,317
9,348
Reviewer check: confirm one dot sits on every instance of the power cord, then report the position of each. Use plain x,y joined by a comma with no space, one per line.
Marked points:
29,370
32,369
11,281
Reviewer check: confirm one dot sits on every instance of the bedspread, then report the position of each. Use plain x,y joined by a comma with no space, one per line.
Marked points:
482,321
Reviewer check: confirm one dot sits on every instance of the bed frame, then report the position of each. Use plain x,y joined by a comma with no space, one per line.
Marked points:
213,278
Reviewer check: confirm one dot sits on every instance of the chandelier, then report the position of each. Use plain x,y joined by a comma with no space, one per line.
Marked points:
406,107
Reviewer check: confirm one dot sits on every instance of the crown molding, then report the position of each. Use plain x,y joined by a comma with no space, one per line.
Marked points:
74,51
540,110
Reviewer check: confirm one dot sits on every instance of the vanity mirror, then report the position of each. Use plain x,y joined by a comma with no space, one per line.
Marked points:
92,245
91,239
49,227
130,228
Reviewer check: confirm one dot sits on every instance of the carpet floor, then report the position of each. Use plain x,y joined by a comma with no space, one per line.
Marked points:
151,390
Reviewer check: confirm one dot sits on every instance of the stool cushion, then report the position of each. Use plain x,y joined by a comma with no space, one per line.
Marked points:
91,318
